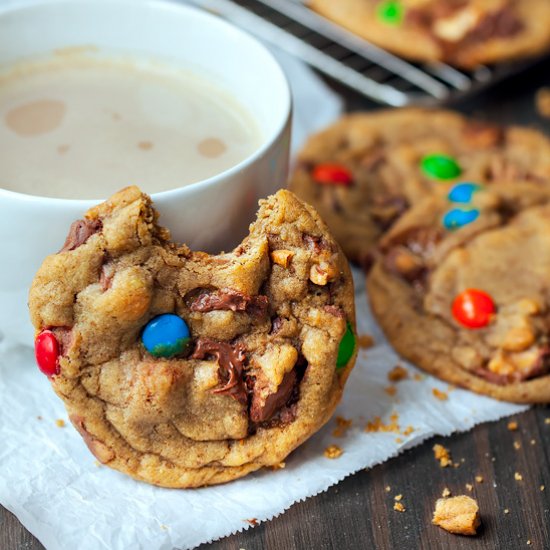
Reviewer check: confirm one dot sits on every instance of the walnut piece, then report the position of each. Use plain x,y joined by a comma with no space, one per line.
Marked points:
458,515
282,257
322,273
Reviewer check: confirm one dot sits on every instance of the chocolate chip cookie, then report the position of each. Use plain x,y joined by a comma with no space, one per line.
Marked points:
364,172
184,369
461,288
465,33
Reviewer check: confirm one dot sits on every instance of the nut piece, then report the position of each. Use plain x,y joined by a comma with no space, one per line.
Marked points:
458,515
282,257
321,274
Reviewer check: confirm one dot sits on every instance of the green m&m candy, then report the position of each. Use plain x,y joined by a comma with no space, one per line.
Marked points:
440,167
346,349
390,12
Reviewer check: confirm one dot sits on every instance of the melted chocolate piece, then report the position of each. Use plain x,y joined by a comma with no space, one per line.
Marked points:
483,135
64,336
228,299
231,360
261,412
502,23
79,232
276,325
419,240
386,211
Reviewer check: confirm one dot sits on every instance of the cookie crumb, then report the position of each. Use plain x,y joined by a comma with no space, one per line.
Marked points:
163,527
365,341
517,445
398,498
443,455
418,377
280,466
512,426
97,464
479,479
542,101
529,542
506,511
252,521
391,390
469,487
333,451
60,423
547,420
518,476
533,442
38,418
398,373
342,426
407,431
542,487
378,426
458,515
441,395
398,507
387,488
398,440
446,492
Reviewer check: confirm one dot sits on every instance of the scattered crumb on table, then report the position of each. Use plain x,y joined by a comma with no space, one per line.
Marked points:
252,521
279,466
38,418
479,479
333,451
517,445
542,487
391,390
418,377
446,492
399,507
469,487
512,426
387,488
458,515
547,420
60,423
342,426
398,373
506,511
441,395
442,454
365,341
518,476
533,442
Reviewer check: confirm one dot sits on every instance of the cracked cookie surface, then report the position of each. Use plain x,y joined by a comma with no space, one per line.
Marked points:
465,33
470,304
262,370
365,171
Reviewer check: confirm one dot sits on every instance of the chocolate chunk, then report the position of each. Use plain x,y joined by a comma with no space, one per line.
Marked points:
419,240
231,360
228,299
262,410
316,244
276,325
79,232
483,135
387,210
502,23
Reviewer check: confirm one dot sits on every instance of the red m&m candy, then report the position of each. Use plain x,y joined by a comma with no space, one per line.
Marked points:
332,174
46,351
473,308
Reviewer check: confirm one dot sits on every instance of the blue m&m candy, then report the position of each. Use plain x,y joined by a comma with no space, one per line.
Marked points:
463,192
456,218
166,335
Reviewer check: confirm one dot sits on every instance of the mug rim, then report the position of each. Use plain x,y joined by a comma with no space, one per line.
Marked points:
170,5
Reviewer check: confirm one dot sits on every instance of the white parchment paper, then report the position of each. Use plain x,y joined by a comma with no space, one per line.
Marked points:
55,487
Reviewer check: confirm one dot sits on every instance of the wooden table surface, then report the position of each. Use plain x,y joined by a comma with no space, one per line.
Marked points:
358,512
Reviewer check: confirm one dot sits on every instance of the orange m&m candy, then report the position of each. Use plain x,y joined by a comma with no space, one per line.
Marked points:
473,308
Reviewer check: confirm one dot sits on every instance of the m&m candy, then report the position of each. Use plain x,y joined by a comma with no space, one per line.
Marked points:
332,174
456,218
473,308
46,351
346,349
166,335
440,167
390,12
463,192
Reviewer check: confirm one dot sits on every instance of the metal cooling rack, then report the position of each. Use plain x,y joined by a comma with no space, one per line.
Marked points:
347,58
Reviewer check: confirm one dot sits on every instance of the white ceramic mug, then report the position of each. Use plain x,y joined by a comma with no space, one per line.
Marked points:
210,215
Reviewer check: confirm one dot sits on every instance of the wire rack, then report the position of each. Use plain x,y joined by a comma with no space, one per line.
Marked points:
347,58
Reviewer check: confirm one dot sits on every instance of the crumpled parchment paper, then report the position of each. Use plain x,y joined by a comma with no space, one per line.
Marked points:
65,498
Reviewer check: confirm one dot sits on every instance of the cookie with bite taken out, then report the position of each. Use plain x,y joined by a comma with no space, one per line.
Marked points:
184,369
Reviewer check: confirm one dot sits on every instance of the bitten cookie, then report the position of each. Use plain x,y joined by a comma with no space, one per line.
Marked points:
461,289
465,33
367,169
183,369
